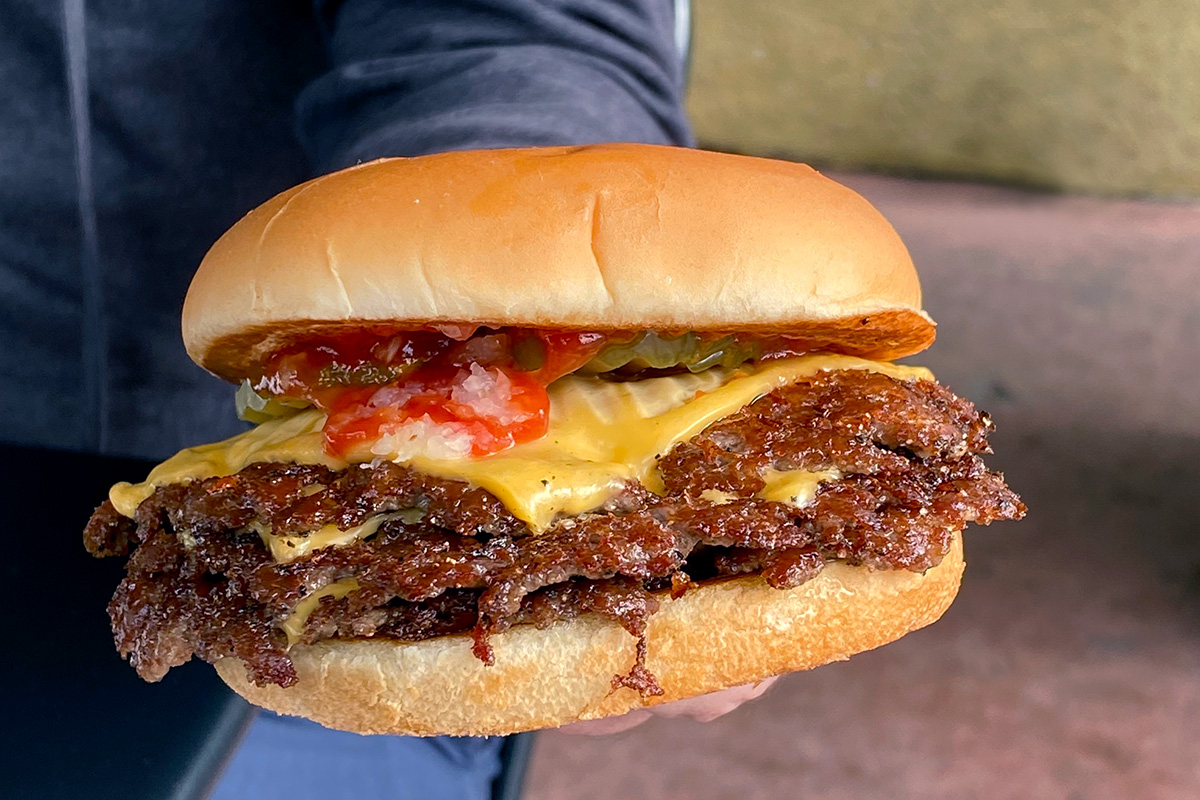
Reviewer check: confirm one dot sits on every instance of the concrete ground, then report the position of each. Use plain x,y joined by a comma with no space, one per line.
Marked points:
1070,665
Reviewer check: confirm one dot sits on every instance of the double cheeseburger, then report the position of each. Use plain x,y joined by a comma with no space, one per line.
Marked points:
547,435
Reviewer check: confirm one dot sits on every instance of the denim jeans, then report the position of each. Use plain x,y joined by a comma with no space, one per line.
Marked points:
286,757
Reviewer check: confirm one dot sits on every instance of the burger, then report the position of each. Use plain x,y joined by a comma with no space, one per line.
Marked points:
545,435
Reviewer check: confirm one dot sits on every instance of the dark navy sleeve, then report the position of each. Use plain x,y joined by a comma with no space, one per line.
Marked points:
408,78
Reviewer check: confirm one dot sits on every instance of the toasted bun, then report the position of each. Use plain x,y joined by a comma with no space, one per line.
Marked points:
720,635
601,237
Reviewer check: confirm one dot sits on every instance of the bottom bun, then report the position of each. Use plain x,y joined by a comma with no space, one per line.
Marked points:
720,635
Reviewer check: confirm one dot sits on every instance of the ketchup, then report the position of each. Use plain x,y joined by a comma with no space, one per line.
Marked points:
485,390
467,389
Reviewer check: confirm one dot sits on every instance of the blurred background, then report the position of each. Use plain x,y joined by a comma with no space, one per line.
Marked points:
1042,161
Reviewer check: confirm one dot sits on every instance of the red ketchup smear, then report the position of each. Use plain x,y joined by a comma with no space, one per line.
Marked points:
489,386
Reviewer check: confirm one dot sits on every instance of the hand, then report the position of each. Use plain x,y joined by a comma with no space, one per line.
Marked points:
704,708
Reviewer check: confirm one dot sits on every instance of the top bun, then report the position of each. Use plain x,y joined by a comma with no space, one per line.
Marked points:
600,237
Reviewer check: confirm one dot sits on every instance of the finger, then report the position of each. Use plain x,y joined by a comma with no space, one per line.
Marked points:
710,706
603,727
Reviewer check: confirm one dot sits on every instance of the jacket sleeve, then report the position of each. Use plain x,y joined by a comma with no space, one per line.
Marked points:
408,78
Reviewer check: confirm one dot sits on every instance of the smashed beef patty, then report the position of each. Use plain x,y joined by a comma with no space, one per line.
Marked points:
200,582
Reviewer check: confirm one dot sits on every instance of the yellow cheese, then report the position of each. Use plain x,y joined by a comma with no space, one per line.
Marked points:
717,497
795,486
285,549
293,626
601,434
296,438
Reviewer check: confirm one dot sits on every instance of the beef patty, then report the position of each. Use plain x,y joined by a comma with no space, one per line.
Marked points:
201,582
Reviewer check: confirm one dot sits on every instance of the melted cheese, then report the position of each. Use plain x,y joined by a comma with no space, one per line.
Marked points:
795,487
293,626
717,497
601,435
285,549
296,438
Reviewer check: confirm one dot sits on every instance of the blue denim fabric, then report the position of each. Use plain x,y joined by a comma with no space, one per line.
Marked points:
293,759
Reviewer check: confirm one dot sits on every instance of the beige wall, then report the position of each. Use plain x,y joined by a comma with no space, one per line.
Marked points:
1100,96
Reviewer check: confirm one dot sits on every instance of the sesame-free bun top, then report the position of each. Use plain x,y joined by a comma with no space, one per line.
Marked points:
602,237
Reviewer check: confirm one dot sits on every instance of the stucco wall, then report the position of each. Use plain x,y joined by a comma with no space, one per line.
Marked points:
1099,97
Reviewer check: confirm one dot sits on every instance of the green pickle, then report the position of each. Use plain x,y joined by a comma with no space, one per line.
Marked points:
253,407
529,353
644,352
652,350
336,375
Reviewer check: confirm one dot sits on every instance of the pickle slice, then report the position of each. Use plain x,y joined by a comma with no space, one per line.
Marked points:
253,407
656,351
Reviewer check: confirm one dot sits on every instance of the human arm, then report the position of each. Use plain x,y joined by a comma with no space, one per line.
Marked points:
408,78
